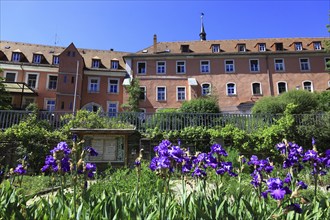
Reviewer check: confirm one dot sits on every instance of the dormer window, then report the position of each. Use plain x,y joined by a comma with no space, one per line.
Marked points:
262,47
317,45
16,57
36,58
298,46
216,48
56,60
185,48
95,63
241,47
114,64
278,46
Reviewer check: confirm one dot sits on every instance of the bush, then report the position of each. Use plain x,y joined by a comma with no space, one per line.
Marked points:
200,105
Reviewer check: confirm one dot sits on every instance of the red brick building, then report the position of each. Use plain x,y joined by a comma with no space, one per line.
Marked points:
238,72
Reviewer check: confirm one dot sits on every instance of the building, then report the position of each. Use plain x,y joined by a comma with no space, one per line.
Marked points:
58,78
237,72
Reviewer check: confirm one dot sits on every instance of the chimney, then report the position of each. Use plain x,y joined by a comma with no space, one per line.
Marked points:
155,43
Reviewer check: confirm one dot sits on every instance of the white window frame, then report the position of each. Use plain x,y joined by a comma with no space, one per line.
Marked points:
180,66
48,81
16,57
143,70
259,88
16,74
37,79
252,67
112,113
301,64
96,63
317,45
112,85
157,92
262,47
278,89
206,91
233,65
326,59
90,83
277,65
241,47
311,86
144,93
37,58
180,93
161,69
205,68
56,60
234,93
46,106
216,48
298,46
114,64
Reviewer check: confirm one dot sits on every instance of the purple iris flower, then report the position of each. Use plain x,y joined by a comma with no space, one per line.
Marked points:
276,189
200,158
62,146
217,148
288,178
256,178
91,151
310,155
211,161
281,147
302,185
162,148
313,141
20,169
254,160
90,168
199,172
294,207
176,153
158,163
187,165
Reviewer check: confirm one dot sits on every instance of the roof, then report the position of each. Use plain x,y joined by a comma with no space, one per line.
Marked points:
27,49
230,45
19,87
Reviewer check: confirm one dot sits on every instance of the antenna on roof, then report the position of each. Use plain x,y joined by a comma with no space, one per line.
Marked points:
202,35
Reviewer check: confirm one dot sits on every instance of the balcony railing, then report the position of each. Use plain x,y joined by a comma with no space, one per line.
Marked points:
167,121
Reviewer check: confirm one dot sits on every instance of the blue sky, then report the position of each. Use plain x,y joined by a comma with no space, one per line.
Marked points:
130,25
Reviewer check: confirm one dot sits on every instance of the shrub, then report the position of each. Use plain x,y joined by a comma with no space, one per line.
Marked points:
200,105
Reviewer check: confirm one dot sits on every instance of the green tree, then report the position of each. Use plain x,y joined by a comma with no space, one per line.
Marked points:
201,105
134,92
324,101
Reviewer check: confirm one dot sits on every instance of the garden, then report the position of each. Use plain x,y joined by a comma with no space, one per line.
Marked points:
278,171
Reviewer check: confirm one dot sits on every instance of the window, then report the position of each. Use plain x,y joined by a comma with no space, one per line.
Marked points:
32,80
114,64
215,48
71,53
206,89
254,65
161,67
62,105
143,93
141,68
317,45
205,66
327,64
304,64
279,65
93,84
16,57
95,63
36,58
281,87
113,86
50,104
181,93
262,47
161,93
112,109
52,82
298,46
231,89
180,66
241,47
308,86
229,66
27,101
256,89
278,46
185,48
72,79
56,60
10,77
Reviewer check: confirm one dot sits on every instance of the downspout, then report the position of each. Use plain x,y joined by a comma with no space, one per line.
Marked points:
270,77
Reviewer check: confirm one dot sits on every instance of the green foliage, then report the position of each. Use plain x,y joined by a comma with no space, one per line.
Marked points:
4,96
306,102
324,101
87,119
134,92
201,105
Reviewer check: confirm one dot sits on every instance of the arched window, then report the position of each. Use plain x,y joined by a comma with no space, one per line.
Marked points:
281,87
256,88
206,89
92,107
308,86
231,89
